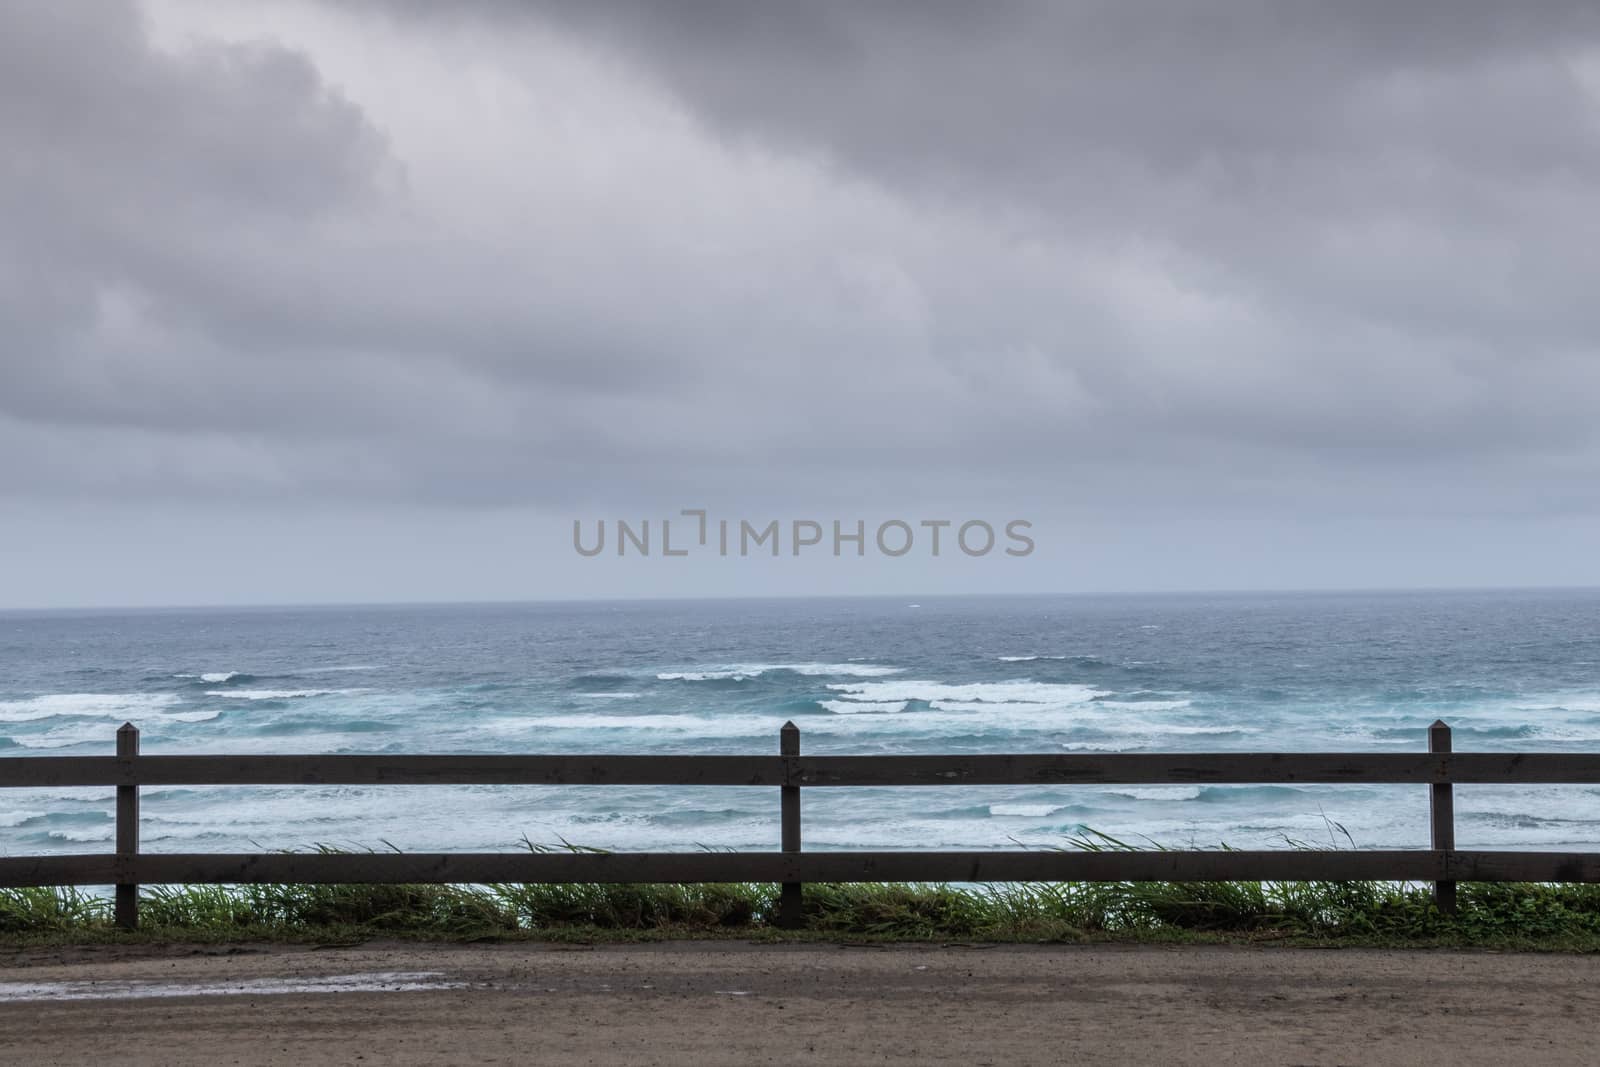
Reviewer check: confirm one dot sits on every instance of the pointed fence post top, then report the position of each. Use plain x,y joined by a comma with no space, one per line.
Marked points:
1439,736
127,740
789,740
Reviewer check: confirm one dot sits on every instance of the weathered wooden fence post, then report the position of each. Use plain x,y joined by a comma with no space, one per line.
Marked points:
790,915
1442,809
127,910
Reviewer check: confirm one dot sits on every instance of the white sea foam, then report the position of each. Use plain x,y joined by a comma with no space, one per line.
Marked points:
1144,705
54,799
692,725
89,725
1028,811
84,705
863,707
1017,706
1142,728
103,833
742,671
1157,792
983,706
17,816
1177,728
849,718
219,676
609,696
66,738
190,716
1025,659
1586,703
1565,734
1041,695
279,694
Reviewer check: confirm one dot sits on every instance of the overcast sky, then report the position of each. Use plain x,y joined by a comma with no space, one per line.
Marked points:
370,301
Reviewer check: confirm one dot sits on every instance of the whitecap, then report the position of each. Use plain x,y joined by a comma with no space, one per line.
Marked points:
1157,792
704,676
83,836
859,707
1170,728
190,716
65,738
742,671
1041,694
1028,811
1566,735
693,725
1147,730
1586,703
84,705
278,694
17,817
1144,705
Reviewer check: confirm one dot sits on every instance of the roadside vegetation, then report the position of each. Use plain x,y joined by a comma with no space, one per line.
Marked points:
1490,915
1559,917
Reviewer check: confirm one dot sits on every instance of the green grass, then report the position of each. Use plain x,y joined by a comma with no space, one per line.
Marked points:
1354,913
1491,915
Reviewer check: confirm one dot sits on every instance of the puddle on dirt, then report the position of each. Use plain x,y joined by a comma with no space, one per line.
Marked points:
374,982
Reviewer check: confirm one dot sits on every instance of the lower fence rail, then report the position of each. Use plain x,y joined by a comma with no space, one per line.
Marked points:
794,868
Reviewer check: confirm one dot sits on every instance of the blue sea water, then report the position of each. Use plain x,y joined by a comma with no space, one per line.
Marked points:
1508,670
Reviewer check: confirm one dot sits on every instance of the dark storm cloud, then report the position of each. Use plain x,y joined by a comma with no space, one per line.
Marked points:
1257,255
1427,165
1013,90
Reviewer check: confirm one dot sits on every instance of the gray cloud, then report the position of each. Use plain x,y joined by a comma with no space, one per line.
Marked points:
1426,167
1250,259
138,184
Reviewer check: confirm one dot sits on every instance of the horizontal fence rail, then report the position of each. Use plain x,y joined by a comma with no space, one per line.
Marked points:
1419,865
790,772
1179,768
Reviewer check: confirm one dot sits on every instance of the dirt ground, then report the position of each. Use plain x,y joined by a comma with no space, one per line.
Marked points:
730,1003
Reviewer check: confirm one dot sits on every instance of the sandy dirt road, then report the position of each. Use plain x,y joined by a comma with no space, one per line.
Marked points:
729,1003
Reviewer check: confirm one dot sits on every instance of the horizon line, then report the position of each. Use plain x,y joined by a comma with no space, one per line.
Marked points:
664,599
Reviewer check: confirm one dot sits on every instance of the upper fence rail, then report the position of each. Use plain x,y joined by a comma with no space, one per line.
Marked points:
1143,768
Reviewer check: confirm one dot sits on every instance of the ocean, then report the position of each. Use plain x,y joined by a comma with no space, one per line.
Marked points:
1262,672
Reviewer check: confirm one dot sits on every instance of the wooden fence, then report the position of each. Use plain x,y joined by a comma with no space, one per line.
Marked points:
789,772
